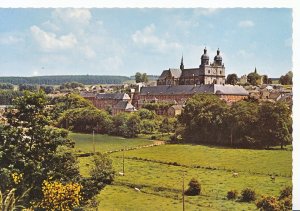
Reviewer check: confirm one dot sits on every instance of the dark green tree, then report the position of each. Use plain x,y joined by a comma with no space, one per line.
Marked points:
286,79
33,149
204,119
252,78
138,77
194,188
232,79
274,124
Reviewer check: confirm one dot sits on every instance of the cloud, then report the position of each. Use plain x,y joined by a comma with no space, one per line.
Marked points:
9,39
48,41
147,38
246,24
77,16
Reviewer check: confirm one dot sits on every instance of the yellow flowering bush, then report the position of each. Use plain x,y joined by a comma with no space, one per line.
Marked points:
17,177
58,196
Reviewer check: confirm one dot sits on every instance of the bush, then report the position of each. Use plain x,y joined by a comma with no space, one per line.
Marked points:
248,195
269,203
153,137
286,192
194,188
287,203
232,194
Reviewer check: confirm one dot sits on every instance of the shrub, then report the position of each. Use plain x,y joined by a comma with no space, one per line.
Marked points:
269,203
248,195
287,203
232,194
286,192
153,137
194,188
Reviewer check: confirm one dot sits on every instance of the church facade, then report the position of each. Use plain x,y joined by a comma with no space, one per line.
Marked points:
206,73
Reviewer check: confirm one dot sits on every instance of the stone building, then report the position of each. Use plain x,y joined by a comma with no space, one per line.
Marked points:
206,73
180,94
115,102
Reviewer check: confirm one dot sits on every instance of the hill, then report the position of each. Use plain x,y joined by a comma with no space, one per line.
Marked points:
60,79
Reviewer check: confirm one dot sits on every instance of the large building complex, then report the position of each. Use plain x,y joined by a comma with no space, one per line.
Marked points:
206,73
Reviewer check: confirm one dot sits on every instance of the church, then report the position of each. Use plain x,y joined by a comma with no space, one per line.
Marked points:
206,73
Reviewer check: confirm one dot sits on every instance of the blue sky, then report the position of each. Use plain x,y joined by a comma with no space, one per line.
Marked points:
125,41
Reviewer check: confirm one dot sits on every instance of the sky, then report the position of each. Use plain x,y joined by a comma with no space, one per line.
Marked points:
125,41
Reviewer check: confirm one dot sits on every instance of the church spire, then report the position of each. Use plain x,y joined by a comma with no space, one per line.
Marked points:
182,65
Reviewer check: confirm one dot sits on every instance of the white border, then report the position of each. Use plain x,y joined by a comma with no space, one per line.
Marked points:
206,4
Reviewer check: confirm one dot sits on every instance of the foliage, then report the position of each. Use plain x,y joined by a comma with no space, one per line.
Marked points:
60,79
31,148
194,188
203,118
275,124
7,202
87,120
7,96
286,79
101,174
28,87
248,195
69,101
6,86
146,114
71,85
252,78
141,77
286,192
232,194
269,203
207,119
232,79
47,89
58,196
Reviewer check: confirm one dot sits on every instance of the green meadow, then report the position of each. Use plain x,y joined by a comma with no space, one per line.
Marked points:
158,173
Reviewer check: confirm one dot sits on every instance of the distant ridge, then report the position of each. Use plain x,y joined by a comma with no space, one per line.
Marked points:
60,79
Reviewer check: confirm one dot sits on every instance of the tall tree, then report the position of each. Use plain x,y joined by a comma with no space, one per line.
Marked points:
275,124
138,77
252,78
232,79
286,79
144,77
31,148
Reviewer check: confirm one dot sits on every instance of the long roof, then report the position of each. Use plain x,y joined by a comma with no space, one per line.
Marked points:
193,89
114,96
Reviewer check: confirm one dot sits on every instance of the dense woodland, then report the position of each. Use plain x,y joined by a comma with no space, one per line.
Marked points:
60,79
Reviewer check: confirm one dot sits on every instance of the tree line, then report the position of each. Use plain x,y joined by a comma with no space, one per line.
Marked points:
60,79
207,119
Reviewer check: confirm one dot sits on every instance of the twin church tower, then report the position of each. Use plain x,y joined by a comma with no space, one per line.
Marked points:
206,73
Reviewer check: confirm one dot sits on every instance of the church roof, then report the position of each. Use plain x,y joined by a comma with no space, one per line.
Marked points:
192,89
190,72
173,72
114,96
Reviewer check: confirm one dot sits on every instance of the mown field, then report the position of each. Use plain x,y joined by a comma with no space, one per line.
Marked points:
158,172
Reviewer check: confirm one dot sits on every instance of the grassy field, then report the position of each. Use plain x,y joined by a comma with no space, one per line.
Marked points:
158,173
105,143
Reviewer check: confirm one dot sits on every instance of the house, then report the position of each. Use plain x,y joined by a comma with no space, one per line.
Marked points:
114,102
179,94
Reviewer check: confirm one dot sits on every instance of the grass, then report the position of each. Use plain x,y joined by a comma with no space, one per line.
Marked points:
104,143
160,182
